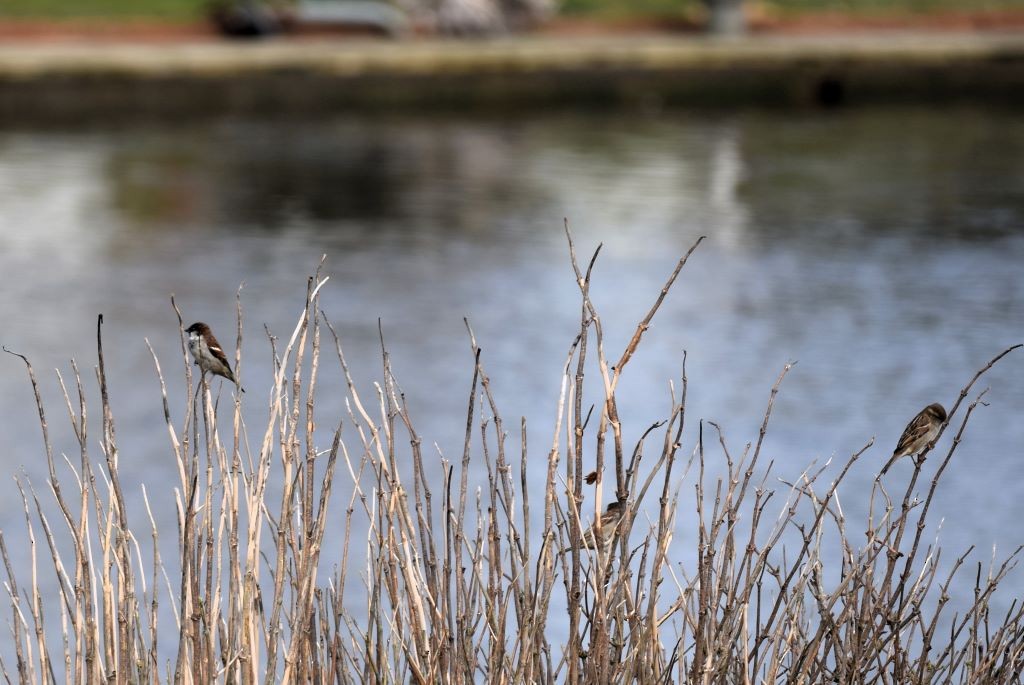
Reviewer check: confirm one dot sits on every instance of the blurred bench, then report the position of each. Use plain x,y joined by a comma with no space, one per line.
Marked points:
253,18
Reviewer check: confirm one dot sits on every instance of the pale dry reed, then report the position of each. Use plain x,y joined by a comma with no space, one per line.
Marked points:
459,586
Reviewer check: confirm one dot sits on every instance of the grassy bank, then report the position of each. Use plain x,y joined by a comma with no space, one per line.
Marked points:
172,10
192,10
454,583
670,8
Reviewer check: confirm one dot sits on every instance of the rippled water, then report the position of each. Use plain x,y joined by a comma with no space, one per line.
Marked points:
882,249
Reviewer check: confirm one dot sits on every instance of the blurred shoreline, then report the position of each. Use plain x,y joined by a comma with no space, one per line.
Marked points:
69,80
761,22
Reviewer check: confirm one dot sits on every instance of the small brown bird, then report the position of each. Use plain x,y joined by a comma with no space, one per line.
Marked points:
208,353
610,520
919,432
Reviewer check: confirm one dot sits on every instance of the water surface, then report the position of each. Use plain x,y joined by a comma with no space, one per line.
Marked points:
881,249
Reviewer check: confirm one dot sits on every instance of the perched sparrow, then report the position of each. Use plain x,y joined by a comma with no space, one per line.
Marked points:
590,478
919,432
610,520
208,353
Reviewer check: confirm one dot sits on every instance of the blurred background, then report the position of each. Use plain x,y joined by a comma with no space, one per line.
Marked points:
880,246
492,17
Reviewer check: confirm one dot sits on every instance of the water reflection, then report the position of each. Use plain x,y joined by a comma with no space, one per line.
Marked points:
340,176
882,249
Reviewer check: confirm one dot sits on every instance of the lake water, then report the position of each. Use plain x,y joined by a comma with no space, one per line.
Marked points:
882,249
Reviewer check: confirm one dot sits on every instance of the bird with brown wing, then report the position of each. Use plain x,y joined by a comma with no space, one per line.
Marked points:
919,433
208,353
593,538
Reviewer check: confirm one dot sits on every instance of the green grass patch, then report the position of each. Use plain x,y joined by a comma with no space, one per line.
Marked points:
184,10
639,8
617,9
178,10
861,7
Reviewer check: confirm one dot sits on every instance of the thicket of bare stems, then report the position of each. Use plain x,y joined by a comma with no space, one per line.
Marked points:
458,585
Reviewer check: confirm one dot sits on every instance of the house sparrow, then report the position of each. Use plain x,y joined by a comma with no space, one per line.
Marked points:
208,353
919,432
610,520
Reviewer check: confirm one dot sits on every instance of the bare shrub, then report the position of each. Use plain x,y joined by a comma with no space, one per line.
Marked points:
458,584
